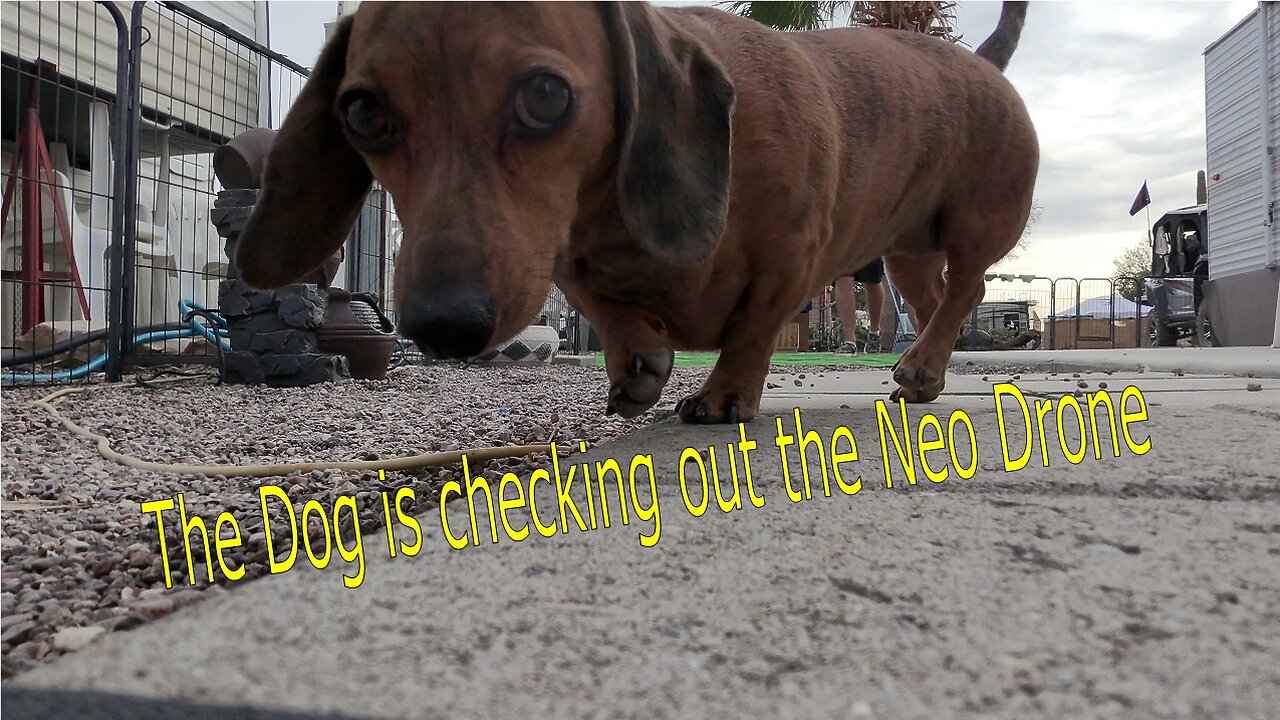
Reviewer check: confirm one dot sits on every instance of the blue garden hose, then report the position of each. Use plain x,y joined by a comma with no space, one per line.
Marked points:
188,310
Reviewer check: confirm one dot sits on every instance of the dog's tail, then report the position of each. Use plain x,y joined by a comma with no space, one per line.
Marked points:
1000,46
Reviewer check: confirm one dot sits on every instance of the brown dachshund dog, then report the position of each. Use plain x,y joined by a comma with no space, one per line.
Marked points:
686,176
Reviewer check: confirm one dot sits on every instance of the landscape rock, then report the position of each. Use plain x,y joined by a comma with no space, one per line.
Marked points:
76,638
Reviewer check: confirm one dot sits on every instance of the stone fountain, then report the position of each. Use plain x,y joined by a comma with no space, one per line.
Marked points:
301,334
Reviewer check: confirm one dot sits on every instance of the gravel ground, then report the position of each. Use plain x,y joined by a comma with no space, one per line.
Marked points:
1079,383
80,558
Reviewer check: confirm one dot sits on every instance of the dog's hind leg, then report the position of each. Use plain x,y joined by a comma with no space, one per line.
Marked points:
919,279
972,241
731,393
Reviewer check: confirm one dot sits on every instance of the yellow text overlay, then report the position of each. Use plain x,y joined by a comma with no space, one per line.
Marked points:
574,494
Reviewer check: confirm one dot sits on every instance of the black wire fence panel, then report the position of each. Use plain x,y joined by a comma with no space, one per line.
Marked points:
1056,313
60,125
197,85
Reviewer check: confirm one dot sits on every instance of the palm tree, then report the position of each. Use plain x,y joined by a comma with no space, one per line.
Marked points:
932,18
788,15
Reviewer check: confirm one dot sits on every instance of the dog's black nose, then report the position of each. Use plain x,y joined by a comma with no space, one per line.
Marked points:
453,320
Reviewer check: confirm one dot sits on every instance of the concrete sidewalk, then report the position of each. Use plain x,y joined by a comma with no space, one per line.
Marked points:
1235,361
1132,587
1242,361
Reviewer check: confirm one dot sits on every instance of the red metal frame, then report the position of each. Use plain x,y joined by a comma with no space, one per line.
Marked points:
29,160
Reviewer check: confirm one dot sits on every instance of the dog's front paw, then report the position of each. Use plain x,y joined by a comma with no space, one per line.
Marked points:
641,386
709,407
926,394
914,371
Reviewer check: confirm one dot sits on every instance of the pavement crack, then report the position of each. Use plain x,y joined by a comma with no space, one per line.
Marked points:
1274,528
854,587
1259,412
1035,556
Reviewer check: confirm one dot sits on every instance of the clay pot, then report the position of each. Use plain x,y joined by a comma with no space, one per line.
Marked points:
355,327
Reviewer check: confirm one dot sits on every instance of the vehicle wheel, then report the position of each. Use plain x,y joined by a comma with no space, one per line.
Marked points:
1205,337
1160,334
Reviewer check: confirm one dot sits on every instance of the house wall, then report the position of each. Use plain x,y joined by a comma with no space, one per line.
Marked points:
1242,258
238,15
185,71
79,37
1252,295
1234,152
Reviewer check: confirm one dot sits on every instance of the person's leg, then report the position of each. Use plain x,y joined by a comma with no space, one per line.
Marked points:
875,305
870,277
847,308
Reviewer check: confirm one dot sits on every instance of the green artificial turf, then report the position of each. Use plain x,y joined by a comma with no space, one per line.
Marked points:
805,359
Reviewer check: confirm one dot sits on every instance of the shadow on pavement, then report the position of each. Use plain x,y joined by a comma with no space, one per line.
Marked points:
42,704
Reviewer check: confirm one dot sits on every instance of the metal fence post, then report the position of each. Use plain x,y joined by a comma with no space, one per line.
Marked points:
1138,285
120,140
1076,324
1053,313
128,196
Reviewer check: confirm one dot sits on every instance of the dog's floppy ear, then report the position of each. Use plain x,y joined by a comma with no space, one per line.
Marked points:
313,184
674,104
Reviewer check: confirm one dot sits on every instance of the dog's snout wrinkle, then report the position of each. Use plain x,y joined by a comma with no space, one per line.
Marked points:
450,321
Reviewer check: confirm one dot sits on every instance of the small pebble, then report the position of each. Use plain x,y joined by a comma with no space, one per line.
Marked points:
76,638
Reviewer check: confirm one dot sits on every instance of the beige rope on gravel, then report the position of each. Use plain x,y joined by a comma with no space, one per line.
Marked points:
403,463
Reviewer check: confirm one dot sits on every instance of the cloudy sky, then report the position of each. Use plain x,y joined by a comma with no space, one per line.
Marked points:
1116,90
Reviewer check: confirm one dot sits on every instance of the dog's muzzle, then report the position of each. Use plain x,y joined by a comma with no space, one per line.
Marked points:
449,320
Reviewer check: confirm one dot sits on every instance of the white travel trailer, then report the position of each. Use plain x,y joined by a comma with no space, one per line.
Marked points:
1242,111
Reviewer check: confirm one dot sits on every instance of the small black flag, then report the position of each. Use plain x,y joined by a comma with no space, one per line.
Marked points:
1143,200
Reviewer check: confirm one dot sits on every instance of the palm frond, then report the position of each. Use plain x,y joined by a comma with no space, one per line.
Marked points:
787,15
931,18
935,18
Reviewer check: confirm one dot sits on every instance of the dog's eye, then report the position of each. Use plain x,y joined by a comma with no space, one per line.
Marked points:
543,102
368,122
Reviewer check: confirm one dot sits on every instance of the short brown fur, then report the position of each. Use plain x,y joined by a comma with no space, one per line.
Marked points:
715,175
